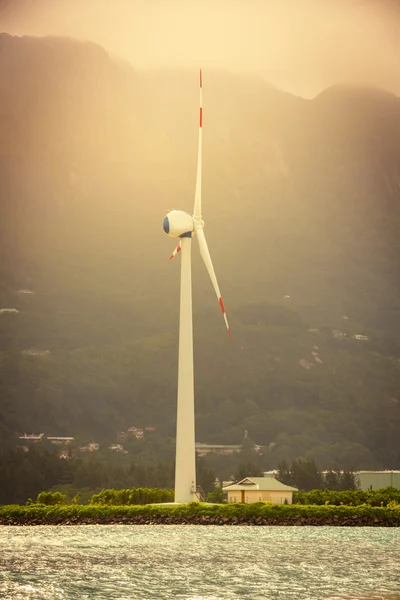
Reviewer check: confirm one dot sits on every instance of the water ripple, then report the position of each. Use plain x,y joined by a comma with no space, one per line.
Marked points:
198,563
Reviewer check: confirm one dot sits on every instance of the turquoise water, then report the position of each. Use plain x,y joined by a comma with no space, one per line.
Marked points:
123,562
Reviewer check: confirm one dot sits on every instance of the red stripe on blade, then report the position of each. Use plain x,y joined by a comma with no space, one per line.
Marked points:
222,305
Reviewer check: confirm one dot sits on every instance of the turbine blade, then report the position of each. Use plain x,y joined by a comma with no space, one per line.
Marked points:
175,252
197,196
179,247
205,254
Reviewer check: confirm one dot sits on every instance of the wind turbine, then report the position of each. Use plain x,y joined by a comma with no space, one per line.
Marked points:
180,224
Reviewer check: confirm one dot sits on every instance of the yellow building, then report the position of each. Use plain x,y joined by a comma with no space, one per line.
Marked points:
260,489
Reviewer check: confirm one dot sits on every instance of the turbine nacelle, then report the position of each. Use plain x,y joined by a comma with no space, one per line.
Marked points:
177,223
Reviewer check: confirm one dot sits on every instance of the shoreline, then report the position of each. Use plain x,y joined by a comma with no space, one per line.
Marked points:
202,514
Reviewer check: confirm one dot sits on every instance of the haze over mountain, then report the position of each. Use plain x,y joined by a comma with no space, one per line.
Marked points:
302,202
302,46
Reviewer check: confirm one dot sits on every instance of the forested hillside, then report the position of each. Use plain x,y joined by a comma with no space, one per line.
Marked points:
302,204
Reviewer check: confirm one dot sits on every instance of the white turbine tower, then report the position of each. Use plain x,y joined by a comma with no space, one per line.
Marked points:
179,224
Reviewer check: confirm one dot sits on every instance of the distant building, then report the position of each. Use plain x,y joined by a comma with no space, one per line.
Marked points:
358,336
272,473
203,449
60,440
92,447
32,437
260,489
35,352
117,448
136,432
303,362
9,310
23,292
337,333
375,480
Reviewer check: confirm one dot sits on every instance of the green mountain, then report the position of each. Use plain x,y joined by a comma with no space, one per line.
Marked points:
302,203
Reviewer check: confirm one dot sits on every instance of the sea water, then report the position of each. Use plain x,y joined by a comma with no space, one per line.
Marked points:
133,562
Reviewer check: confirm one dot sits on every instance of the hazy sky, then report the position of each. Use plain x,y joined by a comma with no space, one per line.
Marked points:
300,45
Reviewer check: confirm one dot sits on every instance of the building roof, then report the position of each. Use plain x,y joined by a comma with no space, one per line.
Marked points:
266,484
384,472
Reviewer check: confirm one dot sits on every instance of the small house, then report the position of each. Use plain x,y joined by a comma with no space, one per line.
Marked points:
260,489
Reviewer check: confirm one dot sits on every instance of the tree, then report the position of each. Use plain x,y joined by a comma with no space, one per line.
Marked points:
348,481
204,475
247,470
302,474
284,474
332,480
306,475
216,495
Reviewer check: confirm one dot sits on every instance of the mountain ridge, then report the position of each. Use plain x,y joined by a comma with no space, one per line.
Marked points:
302,222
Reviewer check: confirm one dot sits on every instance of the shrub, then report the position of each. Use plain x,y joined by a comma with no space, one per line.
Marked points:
51,498
132,496
217,496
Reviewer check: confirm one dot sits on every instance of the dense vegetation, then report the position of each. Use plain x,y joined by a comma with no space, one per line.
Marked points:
202,514
304,475
111,497
387,496
302,200
132,496
24,475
